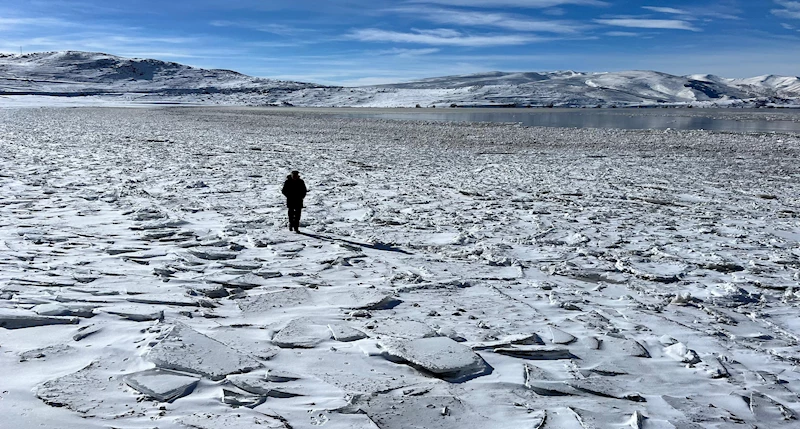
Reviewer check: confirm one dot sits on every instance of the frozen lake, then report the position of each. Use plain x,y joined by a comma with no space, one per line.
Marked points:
449,275
731,120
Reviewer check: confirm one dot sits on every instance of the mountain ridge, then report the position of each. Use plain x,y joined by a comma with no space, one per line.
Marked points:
105,76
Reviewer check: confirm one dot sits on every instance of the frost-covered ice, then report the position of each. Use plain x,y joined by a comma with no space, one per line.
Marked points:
446,275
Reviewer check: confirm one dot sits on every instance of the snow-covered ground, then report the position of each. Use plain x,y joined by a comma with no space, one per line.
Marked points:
448,275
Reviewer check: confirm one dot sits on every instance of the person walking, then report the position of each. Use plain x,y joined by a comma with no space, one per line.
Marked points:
294,189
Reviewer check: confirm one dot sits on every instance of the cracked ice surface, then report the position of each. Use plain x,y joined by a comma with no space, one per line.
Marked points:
607,278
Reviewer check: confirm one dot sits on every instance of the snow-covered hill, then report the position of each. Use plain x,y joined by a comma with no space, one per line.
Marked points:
102,76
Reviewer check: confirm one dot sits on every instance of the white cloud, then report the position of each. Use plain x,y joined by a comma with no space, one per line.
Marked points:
486,19
442,37
666,24
720,11
670,10
399,52
621,34
279,29
531,4
791,9
34,22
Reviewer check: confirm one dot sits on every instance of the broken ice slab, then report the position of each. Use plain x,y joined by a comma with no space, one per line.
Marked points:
173,299
301,333
242,265
656,271
212,253
91,391
388,411
185,349
551,387
345,333
681,353
254,340
521,339
55,351
278,376
19,319
606,388
766,409
557,336
370,299
440,356
246,281
408,329
628,346
607,369
161,384
53,309
241,399
44,282
85,332
239,420
261,385
136,313
123,250
536,352
283,298
207,290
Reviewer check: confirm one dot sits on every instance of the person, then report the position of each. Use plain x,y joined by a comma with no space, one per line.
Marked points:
294,188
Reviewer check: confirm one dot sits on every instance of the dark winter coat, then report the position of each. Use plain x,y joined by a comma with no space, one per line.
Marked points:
294,190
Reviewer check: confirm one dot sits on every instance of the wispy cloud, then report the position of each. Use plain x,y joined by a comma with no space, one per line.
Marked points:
671,10
6,23
405,53
790,9
488,19
277,29
621,34
530,4
720,11
441,37
665,24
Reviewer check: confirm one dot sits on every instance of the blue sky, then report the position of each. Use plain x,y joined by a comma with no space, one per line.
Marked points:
353,42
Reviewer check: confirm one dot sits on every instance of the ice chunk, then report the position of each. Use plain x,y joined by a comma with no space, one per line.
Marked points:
437,412
560,337
628,346
439,355
261,385
301,333
161,384
54,309
370,299
212,253
91,391
47,352
238,399
536,352
137,313
345,333
237,420
292,297
408,329
19,319
681,353
185,349
605,387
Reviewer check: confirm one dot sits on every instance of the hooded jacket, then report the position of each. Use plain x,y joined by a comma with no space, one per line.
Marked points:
294,190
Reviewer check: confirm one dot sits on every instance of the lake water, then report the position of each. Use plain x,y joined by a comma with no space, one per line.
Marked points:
733,120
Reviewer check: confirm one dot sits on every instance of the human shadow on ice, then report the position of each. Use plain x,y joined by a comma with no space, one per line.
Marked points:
377,246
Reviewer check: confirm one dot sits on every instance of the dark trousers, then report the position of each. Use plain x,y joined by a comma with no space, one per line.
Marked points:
294,217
